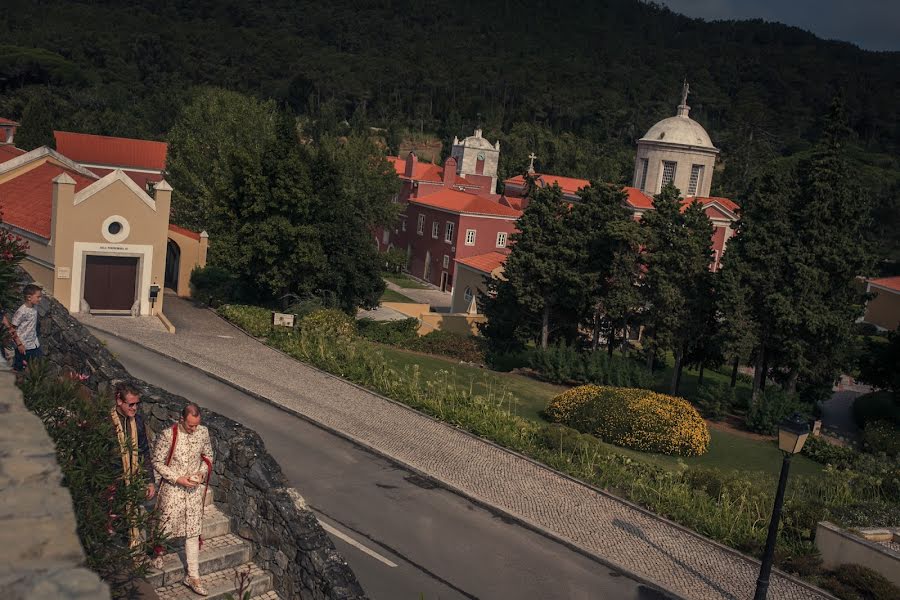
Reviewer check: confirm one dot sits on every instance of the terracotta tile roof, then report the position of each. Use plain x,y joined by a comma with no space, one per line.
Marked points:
891,283
113,151
422,171
7,152
727,203
569,185
27,200
468,204
638,199
185,232
486,263
7,122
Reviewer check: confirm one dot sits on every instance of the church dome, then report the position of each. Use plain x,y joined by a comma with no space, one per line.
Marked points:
681,130
475,141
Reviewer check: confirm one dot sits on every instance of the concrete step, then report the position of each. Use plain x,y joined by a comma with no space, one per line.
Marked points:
270,595
215,523
218,553
222,584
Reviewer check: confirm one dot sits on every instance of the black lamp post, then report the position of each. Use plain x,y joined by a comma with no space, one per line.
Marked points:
792,433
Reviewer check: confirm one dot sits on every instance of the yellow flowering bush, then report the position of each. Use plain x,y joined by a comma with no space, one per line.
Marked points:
634,418
330,322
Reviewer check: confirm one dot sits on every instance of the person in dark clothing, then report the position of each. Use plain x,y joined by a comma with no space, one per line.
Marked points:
129,426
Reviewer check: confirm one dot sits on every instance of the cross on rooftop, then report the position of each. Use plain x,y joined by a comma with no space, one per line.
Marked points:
531,166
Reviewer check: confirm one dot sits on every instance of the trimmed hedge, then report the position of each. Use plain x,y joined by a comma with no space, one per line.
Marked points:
566,364
634,418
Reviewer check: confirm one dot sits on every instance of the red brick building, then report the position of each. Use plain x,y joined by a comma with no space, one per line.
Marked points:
450,211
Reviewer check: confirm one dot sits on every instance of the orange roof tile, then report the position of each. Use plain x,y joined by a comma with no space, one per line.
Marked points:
463,203
184,232
8,152
7,122
891,283
486,263
422,171
113,151
26,201
569,185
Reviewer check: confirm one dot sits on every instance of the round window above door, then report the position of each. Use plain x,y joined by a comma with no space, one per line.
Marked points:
115,229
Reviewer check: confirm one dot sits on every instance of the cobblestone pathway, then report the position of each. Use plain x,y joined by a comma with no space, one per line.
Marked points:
631,539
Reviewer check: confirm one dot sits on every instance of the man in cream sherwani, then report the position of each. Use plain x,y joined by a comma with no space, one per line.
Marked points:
183,459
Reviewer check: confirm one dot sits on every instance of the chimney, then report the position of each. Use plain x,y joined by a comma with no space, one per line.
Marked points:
449,171
7,131
477,133
411,161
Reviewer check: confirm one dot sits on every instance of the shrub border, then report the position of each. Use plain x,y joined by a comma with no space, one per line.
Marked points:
475,499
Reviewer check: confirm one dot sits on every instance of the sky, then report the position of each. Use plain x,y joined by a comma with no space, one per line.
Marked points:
870,24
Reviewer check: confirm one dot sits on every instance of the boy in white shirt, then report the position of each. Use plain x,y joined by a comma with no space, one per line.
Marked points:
25,320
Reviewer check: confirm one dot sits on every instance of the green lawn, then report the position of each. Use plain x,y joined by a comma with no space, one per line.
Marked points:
727,451
404,281
392,296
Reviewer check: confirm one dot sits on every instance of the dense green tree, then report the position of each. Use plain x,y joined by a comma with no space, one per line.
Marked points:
606,237
283,217
354,187
828,252
216,150
677,282
543,279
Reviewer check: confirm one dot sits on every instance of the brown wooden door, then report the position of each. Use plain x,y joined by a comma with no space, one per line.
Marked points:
110,281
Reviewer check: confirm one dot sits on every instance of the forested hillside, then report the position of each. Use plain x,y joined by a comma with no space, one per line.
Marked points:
574,81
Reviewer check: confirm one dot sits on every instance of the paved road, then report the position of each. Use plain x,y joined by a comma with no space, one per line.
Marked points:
443,545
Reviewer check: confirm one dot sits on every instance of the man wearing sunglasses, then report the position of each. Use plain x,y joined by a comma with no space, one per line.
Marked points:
134,447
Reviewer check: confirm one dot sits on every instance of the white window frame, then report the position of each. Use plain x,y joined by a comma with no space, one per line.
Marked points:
645,166
435,229
501,239
386,236
662,175
448,232
468,295
446,263
470,237
403,224
696,180
420,224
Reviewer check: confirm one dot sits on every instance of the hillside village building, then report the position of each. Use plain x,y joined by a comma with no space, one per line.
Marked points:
455,228
97,222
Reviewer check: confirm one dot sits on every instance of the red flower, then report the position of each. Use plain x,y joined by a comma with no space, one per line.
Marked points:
158,550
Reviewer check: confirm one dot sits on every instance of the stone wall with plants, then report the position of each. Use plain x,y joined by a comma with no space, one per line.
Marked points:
40,552
263,508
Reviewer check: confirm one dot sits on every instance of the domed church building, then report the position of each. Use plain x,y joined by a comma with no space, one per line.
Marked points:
676,150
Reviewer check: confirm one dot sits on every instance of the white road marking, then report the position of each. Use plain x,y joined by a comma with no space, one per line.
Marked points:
355,544
227,337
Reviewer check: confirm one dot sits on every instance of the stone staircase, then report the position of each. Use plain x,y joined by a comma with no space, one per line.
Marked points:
223,557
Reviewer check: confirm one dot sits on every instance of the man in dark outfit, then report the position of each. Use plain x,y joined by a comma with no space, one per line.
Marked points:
129,425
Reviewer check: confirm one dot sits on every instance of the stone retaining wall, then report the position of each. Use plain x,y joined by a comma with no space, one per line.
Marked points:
40,555
286,536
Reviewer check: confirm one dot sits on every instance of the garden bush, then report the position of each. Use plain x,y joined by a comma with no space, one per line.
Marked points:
773,406
877,406
213,285
882,436
394,333
395,260
254,320
856,582
507,361
445,343
826,453
329,322
714,400
563,363
634,418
